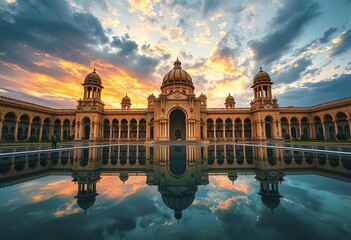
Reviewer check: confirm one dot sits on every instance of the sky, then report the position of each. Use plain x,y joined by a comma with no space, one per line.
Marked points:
48,47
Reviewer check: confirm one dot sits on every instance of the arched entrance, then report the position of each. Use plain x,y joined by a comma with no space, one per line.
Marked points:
268,128
177,125
86,124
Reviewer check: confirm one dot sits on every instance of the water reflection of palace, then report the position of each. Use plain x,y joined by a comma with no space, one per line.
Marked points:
177,171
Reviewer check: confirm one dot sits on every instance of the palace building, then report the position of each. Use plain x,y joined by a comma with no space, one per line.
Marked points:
176,114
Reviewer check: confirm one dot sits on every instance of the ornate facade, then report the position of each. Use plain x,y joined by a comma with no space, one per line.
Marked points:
177,114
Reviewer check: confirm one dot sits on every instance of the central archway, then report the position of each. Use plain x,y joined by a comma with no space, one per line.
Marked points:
177,125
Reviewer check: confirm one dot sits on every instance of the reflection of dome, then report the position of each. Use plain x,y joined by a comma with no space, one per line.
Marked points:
177,80
85,202
93,78
232,176
271,202
126,100
123,177
178,201
261,76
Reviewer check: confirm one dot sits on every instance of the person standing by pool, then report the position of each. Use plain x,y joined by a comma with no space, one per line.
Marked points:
53,141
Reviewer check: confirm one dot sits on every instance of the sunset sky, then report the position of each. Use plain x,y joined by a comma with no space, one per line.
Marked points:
48,47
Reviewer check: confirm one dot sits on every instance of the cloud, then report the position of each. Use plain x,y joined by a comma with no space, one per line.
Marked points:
343,43
286,27
309,94
327,35
293,72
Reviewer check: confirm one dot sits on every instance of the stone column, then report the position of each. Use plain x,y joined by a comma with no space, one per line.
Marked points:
61,132
147,131
242,131
280,129
289,130
300,128
312,135
29,130
128,126
119,131
349,126
91,130
214,131
205,131
336,128
137,136
40,132
1,120
110,132
224,136
324,132
16,130
233,130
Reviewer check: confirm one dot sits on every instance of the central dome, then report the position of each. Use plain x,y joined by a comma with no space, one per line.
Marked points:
177,80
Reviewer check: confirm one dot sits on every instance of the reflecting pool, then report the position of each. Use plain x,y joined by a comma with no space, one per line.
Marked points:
220,191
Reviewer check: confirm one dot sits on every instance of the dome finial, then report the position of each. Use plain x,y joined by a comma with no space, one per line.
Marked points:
177,64
94,70
260,68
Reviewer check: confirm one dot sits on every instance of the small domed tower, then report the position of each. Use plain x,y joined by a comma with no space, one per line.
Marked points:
262,86
92,93
86,188
229,102
203,100
151,101
177,80
126,103
269,182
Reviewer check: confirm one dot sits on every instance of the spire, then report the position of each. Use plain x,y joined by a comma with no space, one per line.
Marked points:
177,64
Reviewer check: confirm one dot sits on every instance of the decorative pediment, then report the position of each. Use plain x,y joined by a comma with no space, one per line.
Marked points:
177,96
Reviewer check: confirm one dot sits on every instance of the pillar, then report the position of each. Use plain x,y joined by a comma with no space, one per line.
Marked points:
91,130
336,128
110,132
128,126
242,131
40,132
29,130
300,129
1,120
61,131
16,130
214,131
289,130
205,131
119,131
312,134
324,132
224,136
137,136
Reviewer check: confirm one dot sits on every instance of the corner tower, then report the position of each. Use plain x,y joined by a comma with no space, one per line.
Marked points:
92,93
262,86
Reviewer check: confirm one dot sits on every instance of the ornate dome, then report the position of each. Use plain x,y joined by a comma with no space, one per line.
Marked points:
177,80
151,96
93,77
261,76
126,100
202,96
229,98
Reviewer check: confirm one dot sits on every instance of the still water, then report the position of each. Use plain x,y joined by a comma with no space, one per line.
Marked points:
176,192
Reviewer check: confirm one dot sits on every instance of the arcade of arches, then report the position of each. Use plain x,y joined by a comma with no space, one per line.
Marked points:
176,114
